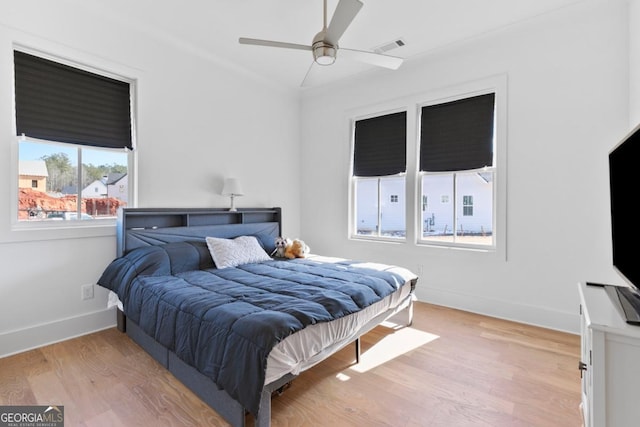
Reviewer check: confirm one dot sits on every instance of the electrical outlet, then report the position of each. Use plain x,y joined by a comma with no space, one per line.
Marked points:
87,291
420,269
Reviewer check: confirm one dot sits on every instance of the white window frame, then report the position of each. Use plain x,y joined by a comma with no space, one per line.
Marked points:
51,230
352,211
498,86
412,104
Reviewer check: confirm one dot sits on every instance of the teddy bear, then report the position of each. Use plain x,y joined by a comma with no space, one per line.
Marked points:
280,243
297,249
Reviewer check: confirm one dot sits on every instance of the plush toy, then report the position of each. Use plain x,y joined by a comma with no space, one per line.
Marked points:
297,249
281,243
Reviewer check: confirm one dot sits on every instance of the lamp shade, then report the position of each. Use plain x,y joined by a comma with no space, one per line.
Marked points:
232,187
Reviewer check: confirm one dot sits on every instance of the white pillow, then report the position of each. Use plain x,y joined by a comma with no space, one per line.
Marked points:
234,252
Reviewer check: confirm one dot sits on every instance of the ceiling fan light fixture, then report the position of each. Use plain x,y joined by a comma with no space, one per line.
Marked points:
323,53
324,46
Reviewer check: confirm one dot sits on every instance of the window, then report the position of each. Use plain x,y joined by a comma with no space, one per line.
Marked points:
467,205
453,140
457,162
74,131
378,176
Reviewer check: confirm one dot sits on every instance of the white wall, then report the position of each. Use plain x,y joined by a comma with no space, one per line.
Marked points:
634,62
199,120
568,82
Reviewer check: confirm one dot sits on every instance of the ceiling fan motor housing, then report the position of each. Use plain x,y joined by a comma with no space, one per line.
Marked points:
324,53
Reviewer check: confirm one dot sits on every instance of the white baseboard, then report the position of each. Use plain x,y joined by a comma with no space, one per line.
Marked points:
528,314
21,340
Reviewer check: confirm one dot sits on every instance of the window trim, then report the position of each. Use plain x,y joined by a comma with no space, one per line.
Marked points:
24,231
412,103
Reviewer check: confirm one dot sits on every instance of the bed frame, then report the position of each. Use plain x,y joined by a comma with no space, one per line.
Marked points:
139,227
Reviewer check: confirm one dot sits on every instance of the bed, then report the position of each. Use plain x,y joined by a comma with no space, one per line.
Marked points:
198,290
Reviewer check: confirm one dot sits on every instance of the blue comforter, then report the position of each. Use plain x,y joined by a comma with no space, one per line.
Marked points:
224,322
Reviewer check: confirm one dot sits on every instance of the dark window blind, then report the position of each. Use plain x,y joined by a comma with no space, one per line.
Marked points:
380,147
60,103
457,135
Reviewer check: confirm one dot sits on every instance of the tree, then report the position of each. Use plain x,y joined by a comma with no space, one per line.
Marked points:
61,171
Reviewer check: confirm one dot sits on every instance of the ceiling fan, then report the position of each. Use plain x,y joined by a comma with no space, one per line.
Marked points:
325,44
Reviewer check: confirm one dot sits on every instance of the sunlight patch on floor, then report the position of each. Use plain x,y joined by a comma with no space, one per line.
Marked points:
343,377
400,342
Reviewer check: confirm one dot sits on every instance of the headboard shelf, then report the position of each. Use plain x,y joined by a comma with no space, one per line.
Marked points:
151,223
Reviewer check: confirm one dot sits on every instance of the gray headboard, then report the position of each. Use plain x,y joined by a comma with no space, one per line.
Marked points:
138,227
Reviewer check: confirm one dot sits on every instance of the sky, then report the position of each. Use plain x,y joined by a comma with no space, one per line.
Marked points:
94,156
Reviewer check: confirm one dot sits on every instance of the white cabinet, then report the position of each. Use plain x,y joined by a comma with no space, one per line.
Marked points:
610,362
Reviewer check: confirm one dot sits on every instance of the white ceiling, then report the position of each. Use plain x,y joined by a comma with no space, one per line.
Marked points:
212,28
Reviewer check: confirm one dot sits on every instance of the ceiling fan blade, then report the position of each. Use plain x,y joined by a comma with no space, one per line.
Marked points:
308,78
342,17
270,43
386,61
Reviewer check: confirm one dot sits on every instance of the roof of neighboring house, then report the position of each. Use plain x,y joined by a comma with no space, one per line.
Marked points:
114,177
96,183
33,168
69,189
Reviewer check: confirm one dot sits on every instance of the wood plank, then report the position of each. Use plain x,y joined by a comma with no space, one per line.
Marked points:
449,368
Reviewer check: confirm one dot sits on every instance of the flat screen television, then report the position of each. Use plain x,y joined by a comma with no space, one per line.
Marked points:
624,185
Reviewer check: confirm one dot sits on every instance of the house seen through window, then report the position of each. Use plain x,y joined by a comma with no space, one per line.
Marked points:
93,188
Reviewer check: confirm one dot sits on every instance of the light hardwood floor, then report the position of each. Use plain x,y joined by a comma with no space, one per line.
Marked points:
451,368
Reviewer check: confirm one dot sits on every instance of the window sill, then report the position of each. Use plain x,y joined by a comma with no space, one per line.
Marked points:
377,239
458,246
29,232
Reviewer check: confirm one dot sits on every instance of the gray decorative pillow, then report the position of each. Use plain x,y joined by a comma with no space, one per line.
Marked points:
234,252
